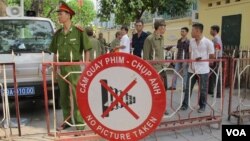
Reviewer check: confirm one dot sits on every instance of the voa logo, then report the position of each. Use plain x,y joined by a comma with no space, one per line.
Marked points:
236,132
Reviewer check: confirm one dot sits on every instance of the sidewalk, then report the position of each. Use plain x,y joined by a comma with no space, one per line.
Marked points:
36,129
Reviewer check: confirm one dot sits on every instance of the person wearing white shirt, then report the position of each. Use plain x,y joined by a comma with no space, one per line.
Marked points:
201,48
125,41
214,31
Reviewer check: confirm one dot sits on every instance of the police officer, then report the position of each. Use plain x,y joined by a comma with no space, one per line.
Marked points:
66,41
97,48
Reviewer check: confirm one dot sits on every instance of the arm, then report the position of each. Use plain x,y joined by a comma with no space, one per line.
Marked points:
122,44
120,47
168,47
211,50
147,49
211,56
53,49
133,41
211,53
54,67
86,47
100,49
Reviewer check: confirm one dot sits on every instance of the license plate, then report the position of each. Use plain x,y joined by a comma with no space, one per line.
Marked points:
21,91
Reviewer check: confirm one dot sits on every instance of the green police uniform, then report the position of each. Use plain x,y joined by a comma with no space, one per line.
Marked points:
153,49
103,44
97,48
154,43
114,43
74,41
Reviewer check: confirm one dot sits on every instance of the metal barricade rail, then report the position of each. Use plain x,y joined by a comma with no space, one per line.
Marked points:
5,121
178,119
239,78
174,121
62,135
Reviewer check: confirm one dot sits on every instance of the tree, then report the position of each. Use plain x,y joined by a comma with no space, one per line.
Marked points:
47,8
129,10
84,14
2,8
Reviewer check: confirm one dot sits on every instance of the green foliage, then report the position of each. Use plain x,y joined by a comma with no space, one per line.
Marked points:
47,8
129,10
85,14
175,7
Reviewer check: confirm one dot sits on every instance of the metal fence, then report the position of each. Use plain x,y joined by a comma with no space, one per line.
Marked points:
176,119
239,86
5,122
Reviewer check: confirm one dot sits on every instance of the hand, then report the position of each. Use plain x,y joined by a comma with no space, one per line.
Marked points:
168,47
116,49
198,58
211,64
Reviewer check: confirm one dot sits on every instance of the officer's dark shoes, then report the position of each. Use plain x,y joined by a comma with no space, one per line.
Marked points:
217,96
210,93
201,110
171,88
63,127
183,108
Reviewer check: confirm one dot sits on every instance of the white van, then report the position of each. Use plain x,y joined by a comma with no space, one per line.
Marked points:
25,41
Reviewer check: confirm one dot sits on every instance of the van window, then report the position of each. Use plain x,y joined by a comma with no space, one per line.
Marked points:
25,36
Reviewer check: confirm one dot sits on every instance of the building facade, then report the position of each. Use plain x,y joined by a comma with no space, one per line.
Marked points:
233,16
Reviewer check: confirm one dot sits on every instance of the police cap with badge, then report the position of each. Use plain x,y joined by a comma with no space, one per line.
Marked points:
64,7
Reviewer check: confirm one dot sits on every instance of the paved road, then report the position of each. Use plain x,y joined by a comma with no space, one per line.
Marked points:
34,125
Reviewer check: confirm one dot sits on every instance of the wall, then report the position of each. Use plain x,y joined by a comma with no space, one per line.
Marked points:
213,15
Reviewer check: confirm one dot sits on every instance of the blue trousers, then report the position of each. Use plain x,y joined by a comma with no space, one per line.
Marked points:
178,67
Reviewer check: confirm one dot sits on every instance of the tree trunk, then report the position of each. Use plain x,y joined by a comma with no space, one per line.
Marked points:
2,8
37,6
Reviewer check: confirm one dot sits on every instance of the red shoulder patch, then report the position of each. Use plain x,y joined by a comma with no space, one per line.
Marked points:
79,28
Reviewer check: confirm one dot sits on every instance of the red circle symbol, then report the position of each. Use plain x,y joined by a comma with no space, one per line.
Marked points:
121,97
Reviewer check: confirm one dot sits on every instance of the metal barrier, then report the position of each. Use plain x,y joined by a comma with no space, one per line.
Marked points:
175,120
240,78
178,119
5,121
59,134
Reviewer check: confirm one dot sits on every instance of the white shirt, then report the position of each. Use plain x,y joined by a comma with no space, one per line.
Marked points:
125,42
217,40
202,50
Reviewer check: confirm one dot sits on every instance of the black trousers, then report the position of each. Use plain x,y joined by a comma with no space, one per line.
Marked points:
212,81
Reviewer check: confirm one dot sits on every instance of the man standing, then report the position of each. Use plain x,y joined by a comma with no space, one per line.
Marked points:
116,41
69,42
125,42
153,48
138,38
200,48
214,31
103,42
182,54
97,49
